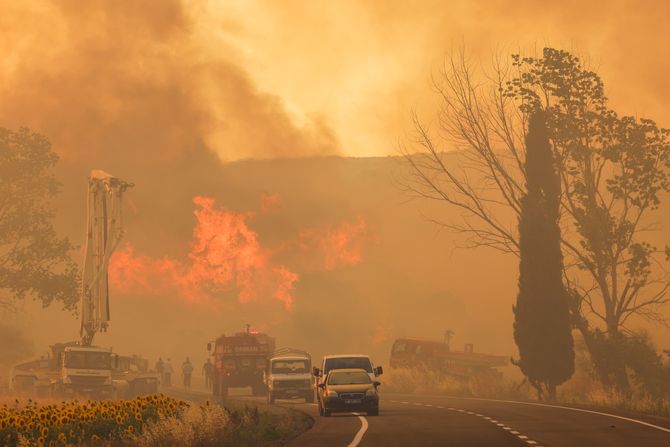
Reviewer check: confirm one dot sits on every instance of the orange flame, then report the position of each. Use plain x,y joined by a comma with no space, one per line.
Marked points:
225,255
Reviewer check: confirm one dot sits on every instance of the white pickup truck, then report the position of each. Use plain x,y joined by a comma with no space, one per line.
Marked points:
288,375
346,361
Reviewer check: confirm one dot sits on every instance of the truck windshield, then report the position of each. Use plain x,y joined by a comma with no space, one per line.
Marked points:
289,366
348,363
348,378
88,360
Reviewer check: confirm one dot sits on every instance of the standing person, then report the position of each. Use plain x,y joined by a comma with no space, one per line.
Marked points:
159,369
208,372
187,370
167,372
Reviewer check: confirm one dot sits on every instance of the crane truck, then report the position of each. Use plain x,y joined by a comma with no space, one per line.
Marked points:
80,368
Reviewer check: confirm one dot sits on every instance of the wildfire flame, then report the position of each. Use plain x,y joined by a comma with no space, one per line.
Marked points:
226,255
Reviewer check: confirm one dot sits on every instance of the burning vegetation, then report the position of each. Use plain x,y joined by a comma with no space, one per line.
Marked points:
226,256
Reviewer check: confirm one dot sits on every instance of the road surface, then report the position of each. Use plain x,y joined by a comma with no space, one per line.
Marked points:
414,420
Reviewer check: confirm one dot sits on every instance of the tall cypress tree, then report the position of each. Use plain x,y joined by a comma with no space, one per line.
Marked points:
542,329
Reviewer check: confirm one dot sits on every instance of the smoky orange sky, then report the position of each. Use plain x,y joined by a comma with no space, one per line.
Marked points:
263,79
155,91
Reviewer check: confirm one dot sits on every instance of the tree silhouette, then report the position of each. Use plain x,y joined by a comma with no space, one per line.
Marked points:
542,328
34,261
613,170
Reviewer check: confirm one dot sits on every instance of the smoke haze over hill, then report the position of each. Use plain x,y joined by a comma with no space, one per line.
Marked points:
254,109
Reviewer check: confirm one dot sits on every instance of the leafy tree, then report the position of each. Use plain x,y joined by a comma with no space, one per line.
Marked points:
613,170
34,261
635,354
542,328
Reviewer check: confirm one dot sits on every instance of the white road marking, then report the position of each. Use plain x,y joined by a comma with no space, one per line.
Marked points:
359,436
581,410
493,421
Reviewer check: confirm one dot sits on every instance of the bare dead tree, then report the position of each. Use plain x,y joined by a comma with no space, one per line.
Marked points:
612,171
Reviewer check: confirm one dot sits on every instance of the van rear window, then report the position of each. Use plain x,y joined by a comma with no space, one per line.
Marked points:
347,363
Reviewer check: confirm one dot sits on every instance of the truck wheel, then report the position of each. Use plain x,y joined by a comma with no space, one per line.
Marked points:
374,412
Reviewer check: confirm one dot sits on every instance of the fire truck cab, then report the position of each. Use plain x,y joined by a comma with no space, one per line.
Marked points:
240,360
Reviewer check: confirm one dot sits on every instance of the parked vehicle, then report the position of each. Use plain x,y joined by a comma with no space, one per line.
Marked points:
71,371
288,375
346,390
131,377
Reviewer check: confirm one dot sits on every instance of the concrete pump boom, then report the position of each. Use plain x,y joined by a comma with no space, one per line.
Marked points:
104,230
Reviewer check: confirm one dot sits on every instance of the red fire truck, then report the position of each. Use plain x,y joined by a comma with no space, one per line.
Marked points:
240,360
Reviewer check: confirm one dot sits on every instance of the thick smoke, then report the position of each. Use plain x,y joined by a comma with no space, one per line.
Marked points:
160,92
138,81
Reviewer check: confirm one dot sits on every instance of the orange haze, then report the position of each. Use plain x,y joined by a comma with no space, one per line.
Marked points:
236,102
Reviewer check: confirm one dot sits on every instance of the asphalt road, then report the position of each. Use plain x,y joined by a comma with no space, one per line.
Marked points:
407,420
412,420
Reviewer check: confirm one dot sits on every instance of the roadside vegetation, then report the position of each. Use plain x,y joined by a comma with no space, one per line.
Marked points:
148,421
649,392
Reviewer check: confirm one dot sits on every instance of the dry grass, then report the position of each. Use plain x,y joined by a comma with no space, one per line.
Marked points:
581,389
421,381
213,425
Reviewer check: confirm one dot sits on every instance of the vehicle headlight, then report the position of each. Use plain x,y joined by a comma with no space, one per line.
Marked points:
371,392
331,393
